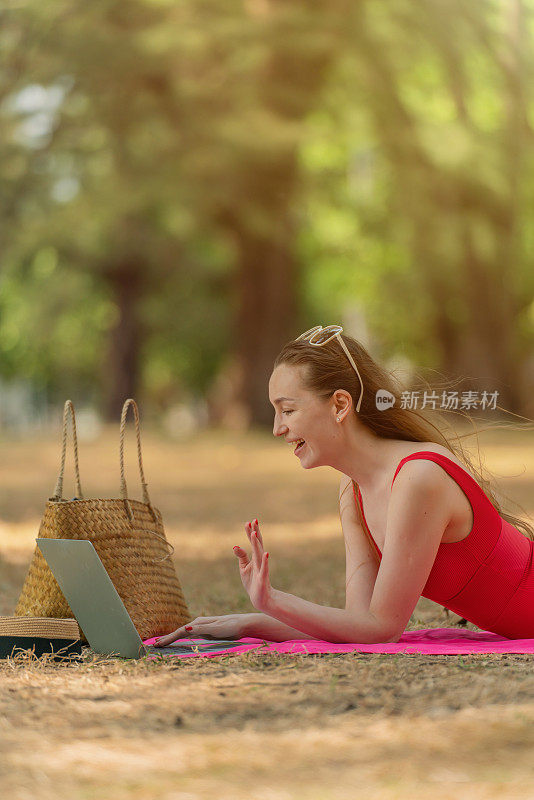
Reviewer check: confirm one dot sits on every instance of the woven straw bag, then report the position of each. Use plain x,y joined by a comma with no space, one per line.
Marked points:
129,537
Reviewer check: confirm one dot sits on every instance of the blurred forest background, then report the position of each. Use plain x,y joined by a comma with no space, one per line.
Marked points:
187,185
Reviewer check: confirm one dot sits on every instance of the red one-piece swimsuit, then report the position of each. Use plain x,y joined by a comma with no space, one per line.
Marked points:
487,577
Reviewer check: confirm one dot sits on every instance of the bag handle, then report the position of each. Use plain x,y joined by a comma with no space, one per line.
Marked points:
58,492
124,490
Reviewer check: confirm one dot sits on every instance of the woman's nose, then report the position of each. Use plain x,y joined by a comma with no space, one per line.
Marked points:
279,429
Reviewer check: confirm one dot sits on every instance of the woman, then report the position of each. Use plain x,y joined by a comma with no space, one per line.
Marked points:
429,527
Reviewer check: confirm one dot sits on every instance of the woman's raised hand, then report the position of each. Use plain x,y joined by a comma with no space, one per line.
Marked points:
255,572
255,578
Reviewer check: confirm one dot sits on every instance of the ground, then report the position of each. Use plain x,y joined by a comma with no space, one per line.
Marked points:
252,726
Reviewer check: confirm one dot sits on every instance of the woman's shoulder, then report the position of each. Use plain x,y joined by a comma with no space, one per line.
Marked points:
413,448
431,476
420,466
426,473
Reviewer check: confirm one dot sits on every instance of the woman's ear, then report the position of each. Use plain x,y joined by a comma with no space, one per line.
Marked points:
342,404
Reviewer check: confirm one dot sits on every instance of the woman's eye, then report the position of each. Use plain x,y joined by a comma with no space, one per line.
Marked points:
287,412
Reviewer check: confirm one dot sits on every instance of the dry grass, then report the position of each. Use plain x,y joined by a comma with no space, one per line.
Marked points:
252,726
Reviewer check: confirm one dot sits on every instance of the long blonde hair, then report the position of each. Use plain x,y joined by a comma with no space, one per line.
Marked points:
328,369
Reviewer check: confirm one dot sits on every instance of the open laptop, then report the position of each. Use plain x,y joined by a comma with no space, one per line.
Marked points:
98,608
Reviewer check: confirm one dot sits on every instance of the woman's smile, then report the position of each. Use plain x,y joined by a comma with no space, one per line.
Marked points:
301,444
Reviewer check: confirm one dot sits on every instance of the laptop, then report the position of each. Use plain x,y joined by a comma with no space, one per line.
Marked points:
98,608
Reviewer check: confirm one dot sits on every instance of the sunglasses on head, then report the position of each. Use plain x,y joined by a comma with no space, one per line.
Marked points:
320,336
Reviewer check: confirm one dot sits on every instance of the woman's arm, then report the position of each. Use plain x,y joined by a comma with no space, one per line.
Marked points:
361,572
361,558
262,626
417,517
233,626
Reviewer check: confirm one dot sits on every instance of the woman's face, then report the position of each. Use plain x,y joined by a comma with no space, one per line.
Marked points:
300,415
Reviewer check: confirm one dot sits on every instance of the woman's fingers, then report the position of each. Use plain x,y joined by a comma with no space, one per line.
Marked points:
256,527
257,551
254,544
242,556
254,536
248,531
250,527
163,641
185,632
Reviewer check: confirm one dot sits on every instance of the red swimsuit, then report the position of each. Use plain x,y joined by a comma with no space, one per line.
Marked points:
487,577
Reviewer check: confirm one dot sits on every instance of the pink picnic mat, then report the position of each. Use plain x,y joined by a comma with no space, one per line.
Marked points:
432,641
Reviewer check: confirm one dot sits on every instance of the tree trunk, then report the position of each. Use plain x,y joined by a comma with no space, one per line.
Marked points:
122,366
267,318
289,86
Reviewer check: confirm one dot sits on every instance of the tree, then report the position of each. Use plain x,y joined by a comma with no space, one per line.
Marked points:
457,274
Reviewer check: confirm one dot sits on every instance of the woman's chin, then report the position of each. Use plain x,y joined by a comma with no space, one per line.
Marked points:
308,462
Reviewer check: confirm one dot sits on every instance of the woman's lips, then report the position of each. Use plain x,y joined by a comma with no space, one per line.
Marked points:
298,449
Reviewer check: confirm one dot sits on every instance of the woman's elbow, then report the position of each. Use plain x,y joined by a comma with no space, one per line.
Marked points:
388,630
370,638
394,639
390,633
383,632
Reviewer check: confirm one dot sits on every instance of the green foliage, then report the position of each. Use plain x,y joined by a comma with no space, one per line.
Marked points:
144,145
54,324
